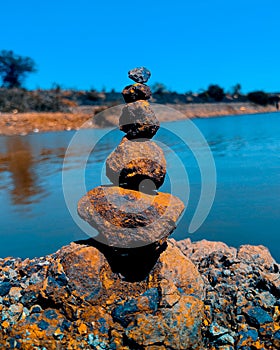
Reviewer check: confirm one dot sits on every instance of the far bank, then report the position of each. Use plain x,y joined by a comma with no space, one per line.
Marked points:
90,117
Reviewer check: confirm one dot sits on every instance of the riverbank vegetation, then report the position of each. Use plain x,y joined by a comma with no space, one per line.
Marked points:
15,98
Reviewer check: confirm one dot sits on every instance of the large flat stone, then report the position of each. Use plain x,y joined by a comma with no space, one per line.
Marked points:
128,218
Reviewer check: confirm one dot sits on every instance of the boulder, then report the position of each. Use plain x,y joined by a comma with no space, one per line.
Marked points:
138,120
134,161
135,92
127,218
256,255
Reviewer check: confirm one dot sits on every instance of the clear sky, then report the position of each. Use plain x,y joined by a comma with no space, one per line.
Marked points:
187,45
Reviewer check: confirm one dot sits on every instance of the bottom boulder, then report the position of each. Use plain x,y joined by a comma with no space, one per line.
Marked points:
81,303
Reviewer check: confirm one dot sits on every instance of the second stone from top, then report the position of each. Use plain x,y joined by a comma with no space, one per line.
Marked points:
136,92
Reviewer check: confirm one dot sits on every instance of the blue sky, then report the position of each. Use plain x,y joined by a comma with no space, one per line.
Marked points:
186,45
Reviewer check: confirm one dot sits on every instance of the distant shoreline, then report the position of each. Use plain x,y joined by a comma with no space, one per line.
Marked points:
87,117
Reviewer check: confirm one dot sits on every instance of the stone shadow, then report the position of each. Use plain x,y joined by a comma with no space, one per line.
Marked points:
132,264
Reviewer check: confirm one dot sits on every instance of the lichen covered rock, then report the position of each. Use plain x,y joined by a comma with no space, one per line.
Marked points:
132,162
127,218
203,295
96,307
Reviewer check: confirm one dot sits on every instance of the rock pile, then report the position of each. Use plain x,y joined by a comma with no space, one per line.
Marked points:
201,295
131,213
133,288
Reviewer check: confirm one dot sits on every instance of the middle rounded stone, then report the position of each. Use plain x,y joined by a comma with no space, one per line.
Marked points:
132,162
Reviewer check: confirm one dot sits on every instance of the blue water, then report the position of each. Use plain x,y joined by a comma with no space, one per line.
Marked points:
35,219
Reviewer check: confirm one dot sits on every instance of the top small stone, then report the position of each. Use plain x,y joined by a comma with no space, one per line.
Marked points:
139,74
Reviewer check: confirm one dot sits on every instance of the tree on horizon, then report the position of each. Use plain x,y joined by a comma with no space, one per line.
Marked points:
13,68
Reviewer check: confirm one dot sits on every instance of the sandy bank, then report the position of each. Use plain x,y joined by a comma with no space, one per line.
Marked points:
89,117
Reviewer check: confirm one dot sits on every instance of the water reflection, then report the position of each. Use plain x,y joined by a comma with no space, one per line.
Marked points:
19,162
27,162
246,209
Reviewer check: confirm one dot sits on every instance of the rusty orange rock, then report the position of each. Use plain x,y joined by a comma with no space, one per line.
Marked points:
81,265
179,271
134,161
173,305
128,218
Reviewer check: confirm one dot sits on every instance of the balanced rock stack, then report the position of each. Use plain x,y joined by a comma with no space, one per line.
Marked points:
131,213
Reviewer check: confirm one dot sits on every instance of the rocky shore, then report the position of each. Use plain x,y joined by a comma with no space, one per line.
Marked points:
24,123
131,287
190,295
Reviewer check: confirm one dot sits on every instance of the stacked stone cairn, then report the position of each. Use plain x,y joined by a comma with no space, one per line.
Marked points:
131,213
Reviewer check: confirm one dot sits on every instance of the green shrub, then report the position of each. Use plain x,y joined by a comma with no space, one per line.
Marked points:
258,97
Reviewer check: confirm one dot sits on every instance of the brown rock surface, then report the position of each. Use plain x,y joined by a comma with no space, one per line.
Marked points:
197,250
134,161
97,308
128,218
242,294
135,92
256,255
138,120
80,297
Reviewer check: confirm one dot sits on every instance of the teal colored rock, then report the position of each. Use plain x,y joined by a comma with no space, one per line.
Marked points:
139,74
257,316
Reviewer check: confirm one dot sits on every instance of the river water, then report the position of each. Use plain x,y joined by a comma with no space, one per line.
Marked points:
35,219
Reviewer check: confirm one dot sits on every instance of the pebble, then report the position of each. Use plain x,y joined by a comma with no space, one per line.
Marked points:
25,313
12,273
5,288
226,273
15,293
267,299
226,339
276,339
247,336
15,311
217,330
43,325
139,74
257,316
58,334
82,328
